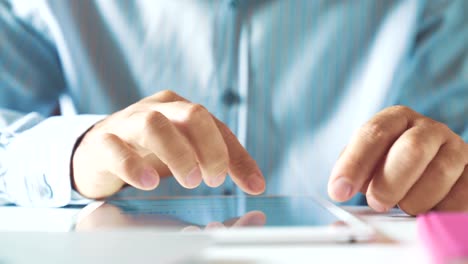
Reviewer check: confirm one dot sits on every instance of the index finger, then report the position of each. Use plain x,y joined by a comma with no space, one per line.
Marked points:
243,169
369,145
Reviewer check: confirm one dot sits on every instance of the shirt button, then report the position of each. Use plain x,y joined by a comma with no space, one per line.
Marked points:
233,3
230,98
6,3
227,192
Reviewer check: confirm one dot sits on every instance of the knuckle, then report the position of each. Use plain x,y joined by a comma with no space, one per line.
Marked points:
216,158
460,142
374,131
167,95
414,149
133,108
222,162
442,169
243,164
227,133
460,149
127,163
155,120
439,126
452,160
106,138
460,145
401,109
154,123
196,112
434,126
180,158
219,167
237,163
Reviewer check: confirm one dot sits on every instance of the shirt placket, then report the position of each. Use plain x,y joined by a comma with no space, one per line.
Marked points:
228,28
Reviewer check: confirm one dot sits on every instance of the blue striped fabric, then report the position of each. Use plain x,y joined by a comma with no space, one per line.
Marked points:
293,79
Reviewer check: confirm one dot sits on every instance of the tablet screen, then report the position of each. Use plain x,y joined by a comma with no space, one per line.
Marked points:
202,212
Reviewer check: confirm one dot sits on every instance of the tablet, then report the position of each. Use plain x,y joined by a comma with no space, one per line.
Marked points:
231,219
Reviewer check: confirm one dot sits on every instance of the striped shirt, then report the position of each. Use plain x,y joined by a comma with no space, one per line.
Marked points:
292,79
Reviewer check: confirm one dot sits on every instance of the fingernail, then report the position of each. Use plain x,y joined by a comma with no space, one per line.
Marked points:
376,205
218,180
256,183
194,178
342,189
149,179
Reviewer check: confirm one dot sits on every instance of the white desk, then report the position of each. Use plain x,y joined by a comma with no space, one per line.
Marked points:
398,243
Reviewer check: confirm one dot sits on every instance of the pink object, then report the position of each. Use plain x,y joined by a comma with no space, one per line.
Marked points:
445,235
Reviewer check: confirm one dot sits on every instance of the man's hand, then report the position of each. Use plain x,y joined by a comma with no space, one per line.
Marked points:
159,136
403,158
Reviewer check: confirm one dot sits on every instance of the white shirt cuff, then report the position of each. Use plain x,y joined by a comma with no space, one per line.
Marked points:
37,161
